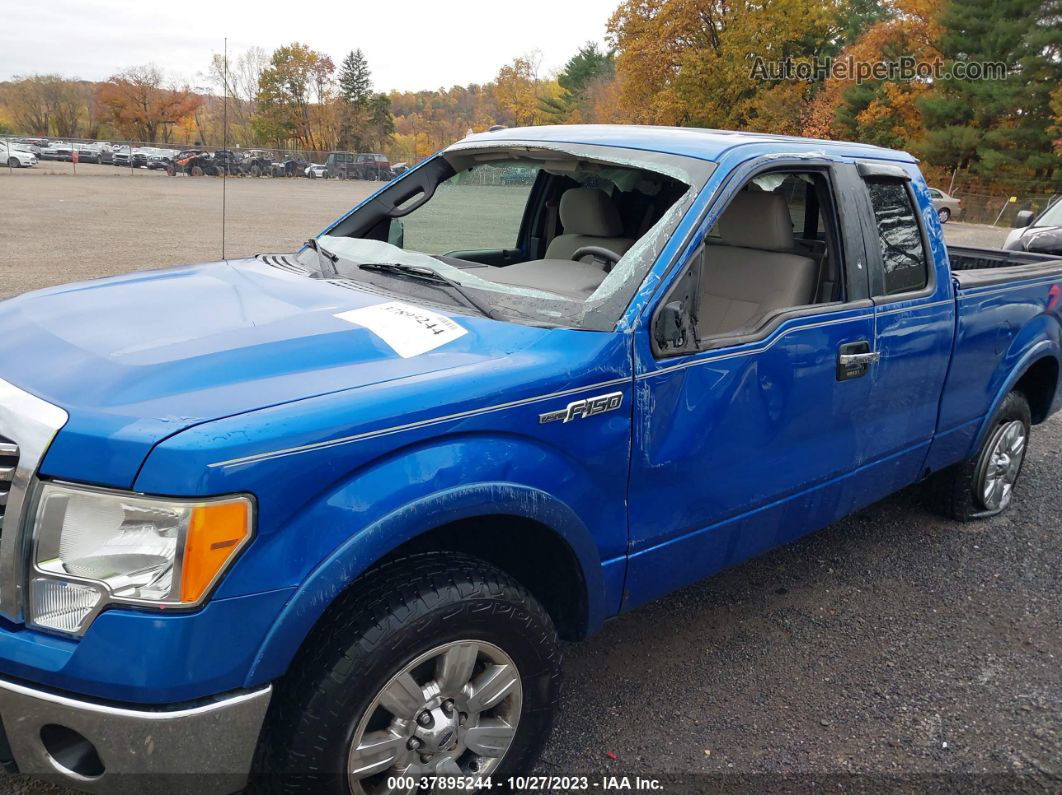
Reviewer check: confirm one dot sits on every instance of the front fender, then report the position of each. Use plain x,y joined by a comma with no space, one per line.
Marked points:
369,545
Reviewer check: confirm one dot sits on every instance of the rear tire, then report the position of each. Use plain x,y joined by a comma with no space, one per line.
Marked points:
945,215
335,725
983,485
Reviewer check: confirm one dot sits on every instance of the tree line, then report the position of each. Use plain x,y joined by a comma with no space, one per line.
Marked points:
674,62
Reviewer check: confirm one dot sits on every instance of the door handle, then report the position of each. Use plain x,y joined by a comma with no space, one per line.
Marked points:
854,360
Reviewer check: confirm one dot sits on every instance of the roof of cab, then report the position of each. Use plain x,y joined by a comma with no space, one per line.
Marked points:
685,141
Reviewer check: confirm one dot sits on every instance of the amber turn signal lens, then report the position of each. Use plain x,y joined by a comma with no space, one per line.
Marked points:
216,532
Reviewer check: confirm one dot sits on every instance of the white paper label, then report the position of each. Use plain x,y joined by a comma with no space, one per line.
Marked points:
409,330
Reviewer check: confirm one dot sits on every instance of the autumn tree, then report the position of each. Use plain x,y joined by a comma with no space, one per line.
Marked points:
882,112
138,104
516,89
691,62
295,98
47,105
238,81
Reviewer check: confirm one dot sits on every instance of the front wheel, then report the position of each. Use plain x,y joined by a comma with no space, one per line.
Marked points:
437,664
983,485
12,162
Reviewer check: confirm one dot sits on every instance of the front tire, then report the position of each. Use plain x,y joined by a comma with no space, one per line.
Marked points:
437,664
12,162
983,485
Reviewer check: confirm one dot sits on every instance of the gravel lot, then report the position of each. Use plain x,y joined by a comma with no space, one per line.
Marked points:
892,650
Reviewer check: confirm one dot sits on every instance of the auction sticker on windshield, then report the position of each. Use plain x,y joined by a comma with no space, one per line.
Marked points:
409,330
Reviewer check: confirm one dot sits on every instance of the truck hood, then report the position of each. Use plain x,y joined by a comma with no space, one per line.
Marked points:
138,358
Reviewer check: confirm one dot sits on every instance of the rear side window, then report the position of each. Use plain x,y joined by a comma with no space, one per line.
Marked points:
903,254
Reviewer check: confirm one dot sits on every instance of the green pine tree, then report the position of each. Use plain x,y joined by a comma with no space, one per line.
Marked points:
355,79
581,70
997,125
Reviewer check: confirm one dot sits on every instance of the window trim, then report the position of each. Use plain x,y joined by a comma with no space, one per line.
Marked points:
875,262
840,184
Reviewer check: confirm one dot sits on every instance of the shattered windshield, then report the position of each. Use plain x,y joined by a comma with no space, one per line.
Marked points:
547,234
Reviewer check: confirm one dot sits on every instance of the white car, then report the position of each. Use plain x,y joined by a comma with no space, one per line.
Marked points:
13,157
315,171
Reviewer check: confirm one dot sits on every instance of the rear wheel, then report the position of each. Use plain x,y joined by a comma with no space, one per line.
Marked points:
983,485
437,664
945,214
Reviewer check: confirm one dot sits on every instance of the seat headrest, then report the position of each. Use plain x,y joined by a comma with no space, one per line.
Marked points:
757,219
589,211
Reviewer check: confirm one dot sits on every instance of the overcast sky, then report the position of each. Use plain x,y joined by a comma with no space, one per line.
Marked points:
410,44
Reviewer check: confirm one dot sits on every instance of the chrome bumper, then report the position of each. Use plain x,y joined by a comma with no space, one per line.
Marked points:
203,749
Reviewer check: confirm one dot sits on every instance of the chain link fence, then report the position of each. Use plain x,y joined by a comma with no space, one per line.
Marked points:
998,205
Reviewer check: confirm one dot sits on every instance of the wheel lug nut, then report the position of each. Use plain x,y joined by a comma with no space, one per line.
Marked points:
448,707
425,758
424,718
413,744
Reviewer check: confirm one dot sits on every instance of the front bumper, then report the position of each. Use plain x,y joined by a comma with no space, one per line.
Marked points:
202,749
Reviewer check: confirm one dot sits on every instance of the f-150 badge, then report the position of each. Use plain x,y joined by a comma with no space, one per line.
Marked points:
581,409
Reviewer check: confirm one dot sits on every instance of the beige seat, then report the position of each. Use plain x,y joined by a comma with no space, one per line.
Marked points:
754,272
589,218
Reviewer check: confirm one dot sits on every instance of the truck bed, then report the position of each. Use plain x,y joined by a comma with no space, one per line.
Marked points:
976,267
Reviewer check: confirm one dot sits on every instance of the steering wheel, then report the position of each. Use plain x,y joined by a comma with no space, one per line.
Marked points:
598,252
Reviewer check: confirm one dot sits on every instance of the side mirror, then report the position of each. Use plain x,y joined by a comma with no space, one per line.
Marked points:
396,233
1023,218
672,330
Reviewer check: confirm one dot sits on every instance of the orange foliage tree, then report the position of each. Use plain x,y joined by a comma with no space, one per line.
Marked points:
691,62
139,106
883,112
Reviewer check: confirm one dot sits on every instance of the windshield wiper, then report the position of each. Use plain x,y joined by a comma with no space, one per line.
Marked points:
425,274
328,256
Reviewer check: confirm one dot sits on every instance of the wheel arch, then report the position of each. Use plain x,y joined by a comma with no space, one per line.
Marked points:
554,557
1031,375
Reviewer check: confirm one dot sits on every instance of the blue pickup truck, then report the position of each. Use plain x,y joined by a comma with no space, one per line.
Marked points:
317,520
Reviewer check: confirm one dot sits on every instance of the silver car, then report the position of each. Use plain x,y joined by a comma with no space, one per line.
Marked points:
945,205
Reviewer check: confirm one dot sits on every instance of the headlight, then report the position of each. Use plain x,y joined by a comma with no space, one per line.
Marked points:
94,547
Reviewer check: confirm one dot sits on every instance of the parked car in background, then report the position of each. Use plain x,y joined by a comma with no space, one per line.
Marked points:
339,165
159,160
120,156
372,166
27,144
946,206
13,156
316,171
1040,233
56,150
88,153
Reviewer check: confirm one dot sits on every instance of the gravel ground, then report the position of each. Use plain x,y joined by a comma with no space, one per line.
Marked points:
892,650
